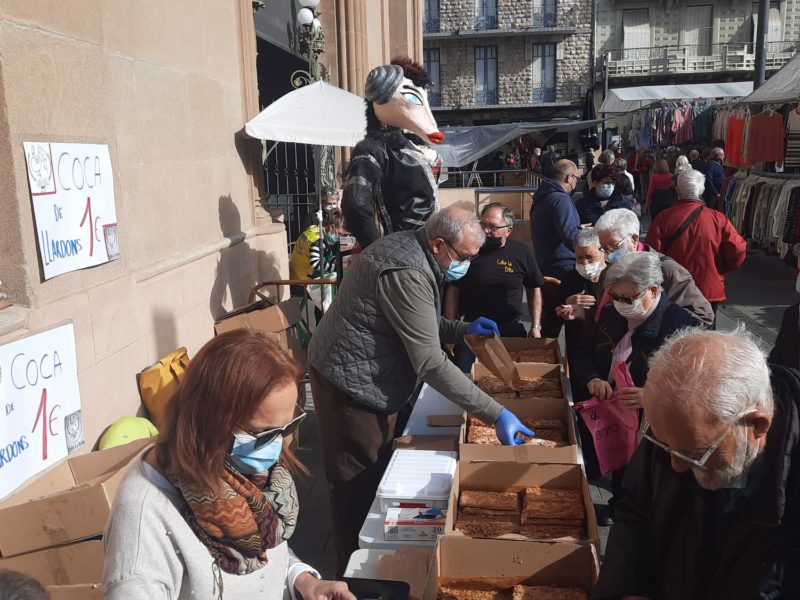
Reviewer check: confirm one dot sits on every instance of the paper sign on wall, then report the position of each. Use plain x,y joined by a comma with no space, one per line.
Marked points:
40,413
72,190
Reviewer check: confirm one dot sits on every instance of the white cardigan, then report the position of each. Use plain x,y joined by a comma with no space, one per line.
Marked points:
152,553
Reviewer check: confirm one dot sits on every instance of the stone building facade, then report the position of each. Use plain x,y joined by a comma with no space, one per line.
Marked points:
497,61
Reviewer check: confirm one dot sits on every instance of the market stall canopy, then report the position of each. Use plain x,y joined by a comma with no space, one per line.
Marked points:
623,100
318,114
784,86
464,145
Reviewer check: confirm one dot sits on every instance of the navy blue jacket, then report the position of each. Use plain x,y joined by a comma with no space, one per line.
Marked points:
590,209
594,351
715,174
554,225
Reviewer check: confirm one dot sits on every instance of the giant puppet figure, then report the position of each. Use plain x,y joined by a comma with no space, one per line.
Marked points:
391,182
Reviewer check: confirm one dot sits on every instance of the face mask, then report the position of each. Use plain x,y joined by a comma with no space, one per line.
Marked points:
590,271
456,270
616,254
631,312
604,190
331,238
251,460
493,242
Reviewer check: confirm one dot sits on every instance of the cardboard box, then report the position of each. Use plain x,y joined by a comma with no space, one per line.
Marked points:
276,321
525,370
522,344
501,564
82,591
77,563
515,476
541,408
69,502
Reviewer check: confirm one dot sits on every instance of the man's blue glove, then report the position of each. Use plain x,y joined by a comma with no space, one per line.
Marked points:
483,326
508,426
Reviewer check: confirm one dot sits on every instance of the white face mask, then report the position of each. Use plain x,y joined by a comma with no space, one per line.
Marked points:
632,312
590,271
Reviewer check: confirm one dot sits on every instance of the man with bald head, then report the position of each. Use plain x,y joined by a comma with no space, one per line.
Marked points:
711,506
554,225
379,342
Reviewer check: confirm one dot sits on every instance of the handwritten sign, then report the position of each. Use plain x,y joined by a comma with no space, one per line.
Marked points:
72,190
40,406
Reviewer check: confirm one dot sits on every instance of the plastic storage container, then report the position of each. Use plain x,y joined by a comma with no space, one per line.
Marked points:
421,477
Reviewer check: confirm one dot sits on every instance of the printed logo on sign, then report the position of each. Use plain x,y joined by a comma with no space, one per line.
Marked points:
73,429
40,170
112,241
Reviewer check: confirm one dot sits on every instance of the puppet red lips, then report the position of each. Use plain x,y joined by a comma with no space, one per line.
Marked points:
436,138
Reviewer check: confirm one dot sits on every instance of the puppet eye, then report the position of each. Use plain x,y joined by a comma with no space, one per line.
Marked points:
412,99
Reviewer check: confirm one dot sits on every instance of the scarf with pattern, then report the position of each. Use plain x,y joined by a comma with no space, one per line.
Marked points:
253,514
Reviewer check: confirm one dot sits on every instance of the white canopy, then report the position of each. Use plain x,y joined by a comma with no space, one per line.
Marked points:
622,100
784,86
318,114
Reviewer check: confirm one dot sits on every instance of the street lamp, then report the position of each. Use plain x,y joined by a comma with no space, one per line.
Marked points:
310,41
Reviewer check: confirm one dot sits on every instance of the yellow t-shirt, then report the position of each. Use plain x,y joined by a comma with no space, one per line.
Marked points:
300,266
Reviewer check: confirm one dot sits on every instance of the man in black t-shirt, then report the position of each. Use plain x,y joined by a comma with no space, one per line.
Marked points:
493,285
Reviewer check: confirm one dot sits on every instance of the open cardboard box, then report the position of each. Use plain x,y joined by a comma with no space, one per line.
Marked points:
79,563
276,321
534,408
522,344
542,408
501,564
525,370
71,501
515,476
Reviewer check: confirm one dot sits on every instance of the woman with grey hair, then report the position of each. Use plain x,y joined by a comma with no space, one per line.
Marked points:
629,330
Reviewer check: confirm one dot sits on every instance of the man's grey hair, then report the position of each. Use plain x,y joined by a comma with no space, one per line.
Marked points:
18,586
716,153
621,164
621,221
642,269
607,157
508,214
723,371
452,224
694,155
587,238
691,184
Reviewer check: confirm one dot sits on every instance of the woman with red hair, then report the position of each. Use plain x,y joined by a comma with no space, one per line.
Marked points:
210,508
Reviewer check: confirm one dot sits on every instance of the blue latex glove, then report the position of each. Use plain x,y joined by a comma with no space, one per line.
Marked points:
483,326
508,426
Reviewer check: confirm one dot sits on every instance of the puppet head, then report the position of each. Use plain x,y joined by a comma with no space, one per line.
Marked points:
397,96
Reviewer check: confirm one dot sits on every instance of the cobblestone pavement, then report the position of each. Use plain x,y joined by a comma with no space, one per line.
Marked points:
757,295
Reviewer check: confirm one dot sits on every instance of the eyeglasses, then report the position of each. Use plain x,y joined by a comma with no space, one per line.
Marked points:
624,299
700,463
268,435
493,228
461,257
609,248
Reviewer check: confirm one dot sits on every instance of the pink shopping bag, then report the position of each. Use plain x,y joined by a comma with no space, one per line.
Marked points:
613,427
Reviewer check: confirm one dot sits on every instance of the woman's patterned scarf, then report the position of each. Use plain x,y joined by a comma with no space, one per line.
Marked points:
253,514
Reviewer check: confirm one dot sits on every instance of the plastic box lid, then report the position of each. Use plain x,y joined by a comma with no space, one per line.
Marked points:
418,475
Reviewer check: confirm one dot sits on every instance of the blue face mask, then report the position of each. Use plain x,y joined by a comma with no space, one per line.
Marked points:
456,270
251,460
604,190
616,254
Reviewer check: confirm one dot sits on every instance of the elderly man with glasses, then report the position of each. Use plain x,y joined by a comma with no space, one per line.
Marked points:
493,285
630,328
711,504
618,230
379,342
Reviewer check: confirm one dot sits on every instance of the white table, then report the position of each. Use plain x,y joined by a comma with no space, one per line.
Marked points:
431,402
363,564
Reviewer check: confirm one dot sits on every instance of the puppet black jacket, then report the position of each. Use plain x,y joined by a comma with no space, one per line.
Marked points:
390,187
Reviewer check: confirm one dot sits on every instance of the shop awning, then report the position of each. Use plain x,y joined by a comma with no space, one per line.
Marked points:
464,145
623,100
318,114
784,86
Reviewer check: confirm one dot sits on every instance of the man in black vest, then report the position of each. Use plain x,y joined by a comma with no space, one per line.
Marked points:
376,346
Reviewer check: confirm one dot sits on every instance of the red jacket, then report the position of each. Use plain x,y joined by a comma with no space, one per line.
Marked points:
708,248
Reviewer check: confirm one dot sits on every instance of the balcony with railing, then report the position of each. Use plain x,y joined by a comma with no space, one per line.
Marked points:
709,58
430,24
547,19
484,22
485,96
434,97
